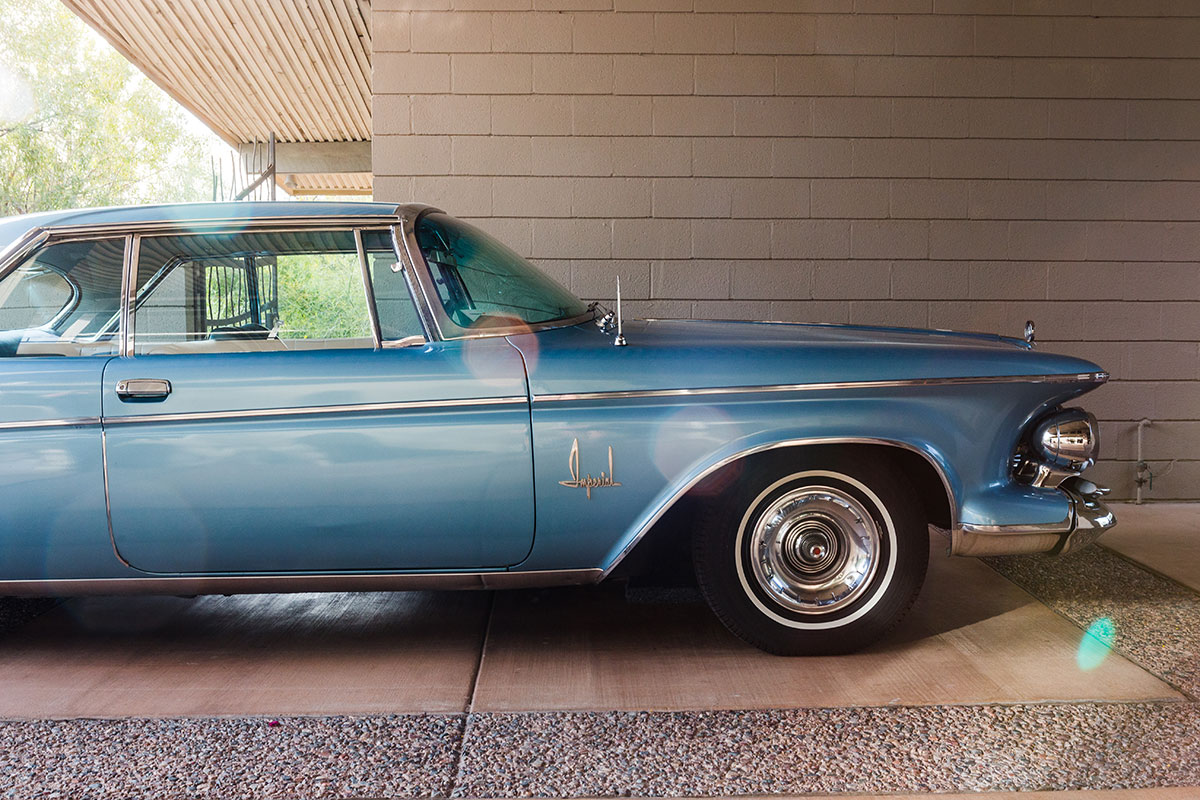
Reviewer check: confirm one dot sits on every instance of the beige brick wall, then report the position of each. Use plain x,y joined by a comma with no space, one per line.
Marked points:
947,163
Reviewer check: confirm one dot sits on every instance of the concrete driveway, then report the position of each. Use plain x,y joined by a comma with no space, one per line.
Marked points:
513,681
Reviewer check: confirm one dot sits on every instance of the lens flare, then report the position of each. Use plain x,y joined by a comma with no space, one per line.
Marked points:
688,435
480,354
1096,644
16,97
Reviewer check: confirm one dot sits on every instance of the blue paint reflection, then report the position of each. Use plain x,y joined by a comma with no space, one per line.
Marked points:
1096,644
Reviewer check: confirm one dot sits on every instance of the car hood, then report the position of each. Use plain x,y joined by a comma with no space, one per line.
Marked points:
685,354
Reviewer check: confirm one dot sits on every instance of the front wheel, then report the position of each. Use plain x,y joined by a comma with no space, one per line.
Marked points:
813,560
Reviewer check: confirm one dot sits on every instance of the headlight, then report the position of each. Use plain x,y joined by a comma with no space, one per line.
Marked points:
1067,440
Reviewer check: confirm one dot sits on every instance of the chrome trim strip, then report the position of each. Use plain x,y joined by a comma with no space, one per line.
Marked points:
1018,530
356,408
280,584
368,289
401,235
683,490
112,537
231,224
407,341
64,422
16,252
133,246
1019,541
1084,377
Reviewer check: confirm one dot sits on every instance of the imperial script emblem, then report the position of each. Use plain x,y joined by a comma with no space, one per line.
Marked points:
587,481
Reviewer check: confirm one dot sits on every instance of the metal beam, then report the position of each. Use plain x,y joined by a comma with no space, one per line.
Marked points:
307,158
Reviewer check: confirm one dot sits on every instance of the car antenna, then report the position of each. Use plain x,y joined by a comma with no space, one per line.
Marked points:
620,340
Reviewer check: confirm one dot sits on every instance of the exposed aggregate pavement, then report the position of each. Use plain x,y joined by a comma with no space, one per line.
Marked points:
237,758
801,751
1154,621
1055,746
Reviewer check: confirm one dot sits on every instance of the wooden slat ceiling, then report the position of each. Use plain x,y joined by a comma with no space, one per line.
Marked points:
340,183
247,68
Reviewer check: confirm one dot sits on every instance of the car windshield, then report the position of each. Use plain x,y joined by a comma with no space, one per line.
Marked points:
481,283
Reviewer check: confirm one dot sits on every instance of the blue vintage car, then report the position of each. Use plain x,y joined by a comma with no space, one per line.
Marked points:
280,397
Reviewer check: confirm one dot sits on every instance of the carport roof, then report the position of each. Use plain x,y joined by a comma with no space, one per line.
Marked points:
300,69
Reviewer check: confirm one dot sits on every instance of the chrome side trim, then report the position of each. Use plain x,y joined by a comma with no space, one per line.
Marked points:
1084,377
65,422
683,490
281,584
301,411
112,537
407,341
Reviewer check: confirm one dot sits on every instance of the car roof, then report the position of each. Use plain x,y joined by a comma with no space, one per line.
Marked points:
13,228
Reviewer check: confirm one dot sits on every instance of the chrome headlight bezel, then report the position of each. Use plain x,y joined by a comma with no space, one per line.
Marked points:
1057,446
1067,440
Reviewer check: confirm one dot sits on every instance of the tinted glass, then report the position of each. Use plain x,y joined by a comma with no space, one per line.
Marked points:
481,283
63,301
248,292
397,314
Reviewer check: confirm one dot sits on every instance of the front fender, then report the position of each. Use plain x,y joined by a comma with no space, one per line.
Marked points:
751,446
663,446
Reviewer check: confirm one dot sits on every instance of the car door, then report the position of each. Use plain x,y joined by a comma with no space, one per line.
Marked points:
58,310
257,427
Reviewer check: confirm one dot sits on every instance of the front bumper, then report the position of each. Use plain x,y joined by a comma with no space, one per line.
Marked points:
1088,519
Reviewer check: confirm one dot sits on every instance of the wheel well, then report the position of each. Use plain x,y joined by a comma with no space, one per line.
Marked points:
665,551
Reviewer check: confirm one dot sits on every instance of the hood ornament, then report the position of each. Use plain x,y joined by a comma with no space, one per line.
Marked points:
620,340
1029,336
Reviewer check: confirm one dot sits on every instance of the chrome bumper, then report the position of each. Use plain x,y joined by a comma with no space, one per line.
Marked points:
1088,518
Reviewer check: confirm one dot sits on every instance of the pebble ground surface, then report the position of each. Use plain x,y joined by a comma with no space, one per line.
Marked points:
1053,746
1151,620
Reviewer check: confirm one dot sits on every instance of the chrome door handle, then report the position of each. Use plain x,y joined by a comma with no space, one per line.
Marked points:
143,389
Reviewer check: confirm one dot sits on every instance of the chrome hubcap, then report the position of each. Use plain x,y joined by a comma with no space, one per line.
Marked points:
815,549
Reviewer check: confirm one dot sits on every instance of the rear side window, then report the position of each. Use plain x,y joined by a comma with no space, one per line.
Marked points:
65,300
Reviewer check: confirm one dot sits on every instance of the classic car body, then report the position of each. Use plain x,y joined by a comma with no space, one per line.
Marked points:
446,450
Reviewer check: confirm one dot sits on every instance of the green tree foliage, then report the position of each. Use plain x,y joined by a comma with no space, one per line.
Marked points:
80,126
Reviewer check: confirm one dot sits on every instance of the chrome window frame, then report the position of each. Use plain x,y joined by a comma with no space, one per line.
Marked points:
418,277
368,289
36,239
331,224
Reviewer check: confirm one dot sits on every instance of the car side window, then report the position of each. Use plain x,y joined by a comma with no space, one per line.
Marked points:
245,292
64,300
397,315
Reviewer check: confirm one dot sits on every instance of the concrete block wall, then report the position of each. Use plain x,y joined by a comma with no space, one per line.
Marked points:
948,163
